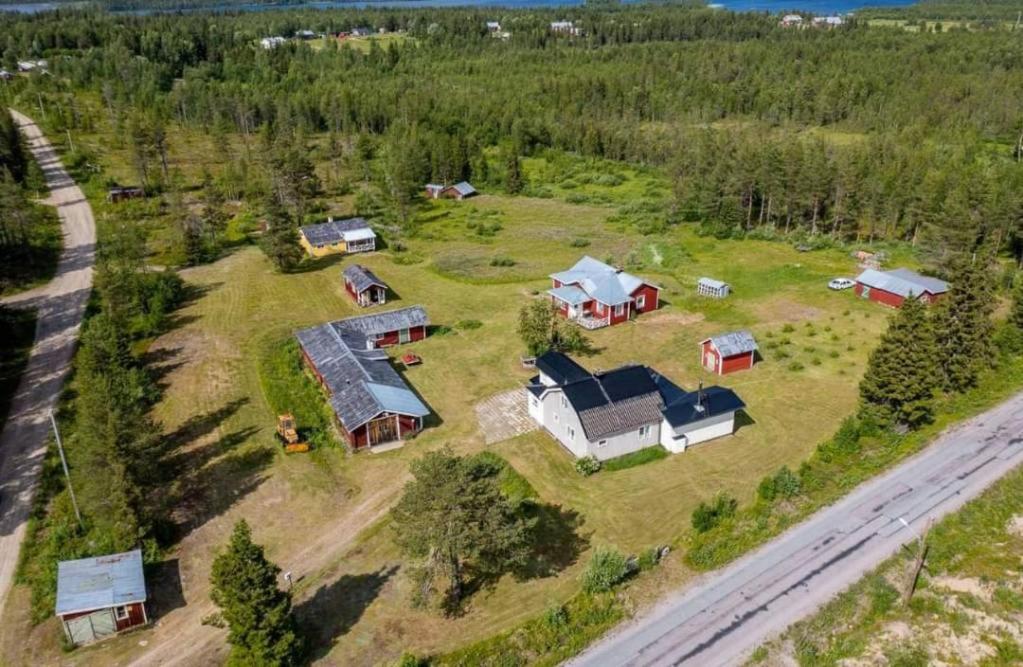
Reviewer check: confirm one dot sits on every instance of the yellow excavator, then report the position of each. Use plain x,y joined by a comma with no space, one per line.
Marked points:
288,433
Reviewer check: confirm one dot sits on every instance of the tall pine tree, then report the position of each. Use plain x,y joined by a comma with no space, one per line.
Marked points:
280,242
258,614
901,379
964,327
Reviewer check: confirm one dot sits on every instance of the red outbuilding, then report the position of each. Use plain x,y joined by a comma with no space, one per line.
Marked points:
99,597
363,285
597,295
892,288
728,353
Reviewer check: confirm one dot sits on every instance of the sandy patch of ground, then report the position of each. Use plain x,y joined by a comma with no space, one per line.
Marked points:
1015,526
964,585
673,319
784,310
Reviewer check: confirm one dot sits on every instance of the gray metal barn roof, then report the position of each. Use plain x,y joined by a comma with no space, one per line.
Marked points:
391,320
464,188
100,583
333,231
362,278
734,342
904,282
362,382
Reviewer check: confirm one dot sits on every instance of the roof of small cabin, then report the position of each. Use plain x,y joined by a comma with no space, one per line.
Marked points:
733,343
904,282
570,294
387,321
334,231
100,583
712,283
714,401
464,188
362,381
560,367
601,281
362,278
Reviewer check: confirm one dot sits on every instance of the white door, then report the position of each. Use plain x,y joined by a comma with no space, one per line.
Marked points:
404,336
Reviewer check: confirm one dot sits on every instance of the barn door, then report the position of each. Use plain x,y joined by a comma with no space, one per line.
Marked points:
382,430
865,292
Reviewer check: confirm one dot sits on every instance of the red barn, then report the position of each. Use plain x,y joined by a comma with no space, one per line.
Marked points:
457,191
99,597
363,285
372,403
892,288
597,295
728,353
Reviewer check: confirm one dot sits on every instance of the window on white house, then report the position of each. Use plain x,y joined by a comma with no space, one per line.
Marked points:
602,443
644,431
533,401
641,301
619,309
121,613
555,416
571,433
564,402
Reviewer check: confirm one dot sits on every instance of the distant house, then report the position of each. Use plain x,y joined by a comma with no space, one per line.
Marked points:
305,34
493,26
791,20
617,412
565,28
118,194
713,288
362,32
5,75
729,352
269,43
338,236
363,285
828,21
371,401
597,295
99,597
457,191
892,288
32,65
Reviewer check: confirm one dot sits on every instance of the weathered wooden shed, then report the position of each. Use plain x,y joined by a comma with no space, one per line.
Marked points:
99,597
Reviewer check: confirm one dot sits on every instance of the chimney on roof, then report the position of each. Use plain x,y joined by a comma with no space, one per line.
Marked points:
700,398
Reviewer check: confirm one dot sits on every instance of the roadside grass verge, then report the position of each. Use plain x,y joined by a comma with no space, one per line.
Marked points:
288,387
19,328
634,459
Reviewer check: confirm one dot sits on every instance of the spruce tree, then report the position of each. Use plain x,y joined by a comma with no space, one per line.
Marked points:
964,327
280,242
1016,314
513,180
258,614
899,384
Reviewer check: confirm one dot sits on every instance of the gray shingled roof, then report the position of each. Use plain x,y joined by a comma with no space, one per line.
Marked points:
332,231
621,415
362,278
361,381
903,282
100,583
733,343
391,320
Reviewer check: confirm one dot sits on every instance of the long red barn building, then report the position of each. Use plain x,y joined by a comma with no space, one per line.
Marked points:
597,295
371,401
892,288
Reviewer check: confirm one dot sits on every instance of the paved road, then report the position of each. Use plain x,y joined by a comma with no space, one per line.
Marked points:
723,618
59,305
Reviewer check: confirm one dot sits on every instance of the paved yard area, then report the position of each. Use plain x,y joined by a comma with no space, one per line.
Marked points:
504,416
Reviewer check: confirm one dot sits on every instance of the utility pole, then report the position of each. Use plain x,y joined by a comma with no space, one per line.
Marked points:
71,143
67,475
920,558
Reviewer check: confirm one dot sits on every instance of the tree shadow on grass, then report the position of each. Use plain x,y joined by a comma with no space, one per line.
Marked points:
334,608
556,541
195,428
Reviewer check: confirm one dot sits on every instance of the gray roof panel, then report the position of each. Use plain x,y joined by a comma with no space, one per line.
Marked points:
733,343
902,282
100,583
362,278
332,231
391,320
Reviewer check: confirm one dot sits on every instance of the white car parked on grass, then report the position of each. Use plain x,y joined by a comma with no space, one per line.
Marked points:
841,283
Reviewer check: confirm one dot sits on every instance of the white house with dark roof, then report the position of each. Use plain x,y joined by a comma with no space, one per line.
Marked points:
372,402
617,412
338,236
99,597
596,295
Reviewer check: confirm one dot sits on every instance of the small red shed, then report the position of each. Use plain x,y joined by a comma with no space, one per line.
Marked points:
729,352
363,285
99,597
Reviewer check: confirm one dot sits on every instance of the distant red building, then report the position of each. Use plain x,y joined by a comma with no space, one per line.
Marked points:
892,288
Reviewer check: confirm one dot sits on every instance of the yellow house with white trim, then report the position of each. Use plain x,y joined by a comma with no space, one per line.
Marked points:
338,237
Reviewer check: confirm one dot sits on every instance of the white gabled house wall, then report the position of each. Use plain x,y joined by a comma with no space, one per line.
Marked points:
556,414
697,432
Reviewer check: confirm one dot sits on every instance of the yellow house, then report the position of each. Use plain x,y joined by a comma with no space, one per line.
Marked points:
338,236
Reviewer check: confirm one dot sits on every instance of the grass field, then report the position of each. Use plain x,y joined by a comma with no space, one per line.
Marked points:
322,515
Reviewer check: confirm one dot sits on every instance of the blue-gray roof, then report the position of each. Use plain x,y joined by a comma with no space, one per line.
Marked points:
733,343
333,231
100,583
463,188
600,281
361,380
375,324
570,294
903,282
362,278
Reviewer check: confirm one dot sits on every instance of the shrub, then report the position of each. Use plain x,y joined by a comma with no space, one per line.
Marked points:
410,660
796,366
468,325
781,354
502,261
587,465
783,484
788,328
645,455
648,559
815,361
579,243
833,354
707,516
607,569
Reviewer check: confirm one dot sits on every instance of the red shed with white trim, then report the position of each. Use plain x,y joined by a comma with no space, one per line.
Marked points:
729,352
